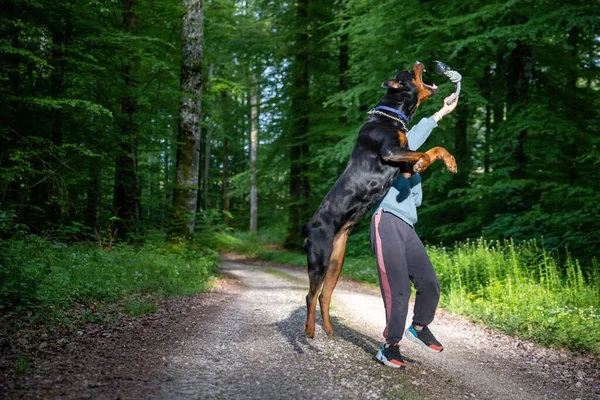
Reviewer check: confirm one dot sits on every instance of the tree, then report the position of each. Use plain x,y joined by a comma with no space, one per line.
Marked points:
299,125
254,109
185,194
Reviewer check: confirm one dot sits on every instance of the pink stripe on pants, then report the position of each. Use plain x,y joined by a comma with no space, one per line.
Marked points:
385,283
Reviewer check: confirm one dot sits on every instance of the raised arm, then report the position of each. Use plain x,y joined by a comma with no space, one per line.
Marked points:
419,133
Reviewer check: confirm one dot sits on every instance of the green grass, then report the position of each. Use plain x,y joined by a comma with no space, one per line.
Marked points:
21,366
137,308
520,289
54,282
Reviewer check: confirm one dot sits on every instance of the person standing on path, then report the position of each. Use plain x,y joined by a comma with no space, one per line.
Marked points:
401,257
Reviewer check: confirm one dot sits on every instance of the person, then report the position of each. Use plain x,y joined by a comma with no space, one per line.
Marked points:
401,257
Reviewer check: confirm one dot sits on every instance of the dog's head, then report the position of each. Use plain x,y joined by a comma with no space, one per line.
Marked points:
410,84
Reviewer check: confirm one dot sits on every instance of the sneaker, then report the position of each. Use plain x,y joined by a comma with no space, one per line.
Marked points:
390,356
424,337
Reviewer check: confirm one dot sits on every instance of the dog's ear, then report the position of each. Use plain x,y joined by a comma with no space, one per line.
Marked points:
391,84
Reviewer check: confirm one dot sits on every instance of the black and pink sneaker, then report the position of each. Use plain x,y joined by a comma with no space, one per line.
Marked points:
390,355
424,338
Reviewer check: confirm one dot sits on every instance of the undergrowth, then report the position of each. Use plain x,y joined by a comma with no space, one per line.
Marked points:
52,282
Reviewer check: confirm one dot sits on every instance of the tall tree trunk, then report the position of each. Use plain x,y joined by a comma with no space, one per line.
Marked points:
497,95
461,151
92,206
254,109
10,110
344,58
572,147
518,78
344,66
167,178
203,201
126,187
299,185
207,150
226,179
488,121
49,195
185,193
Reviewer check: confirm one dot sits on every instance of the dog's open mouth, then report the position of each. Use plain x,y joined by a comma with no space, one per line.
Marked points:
419,69
431,86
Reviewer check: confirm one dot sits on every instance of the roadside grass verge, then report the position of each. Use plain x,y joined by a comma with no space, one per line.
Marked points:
53,283
520,289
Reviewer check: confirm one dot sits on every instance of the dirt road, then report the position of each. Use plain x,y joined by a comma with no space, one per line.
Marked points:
246,340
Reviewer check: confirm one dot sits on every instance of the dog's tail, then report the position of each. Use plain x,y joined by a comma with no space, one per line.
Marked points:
305,234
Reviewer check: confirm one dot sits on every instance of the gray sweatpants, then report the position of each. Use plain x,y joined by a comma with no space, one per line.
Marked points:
401,258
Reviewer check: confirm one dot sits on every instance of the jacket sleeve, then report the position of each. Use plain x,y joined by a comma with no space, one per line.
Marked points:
419,133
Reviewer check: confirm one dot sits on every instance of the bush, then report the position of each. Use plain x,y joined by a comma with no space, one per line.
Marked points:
39,276
522,290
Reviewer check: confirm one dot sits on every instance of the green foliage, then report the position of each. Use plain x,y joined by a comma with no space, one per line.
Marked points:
42,277
522,290
137,307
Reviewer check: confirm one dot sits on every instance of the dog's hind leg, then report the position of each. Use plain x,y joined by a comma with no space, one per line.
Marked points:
336,263
318,251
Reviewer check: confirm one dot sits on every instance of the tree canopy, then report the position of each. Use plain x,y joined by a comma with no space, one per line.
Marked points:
90,94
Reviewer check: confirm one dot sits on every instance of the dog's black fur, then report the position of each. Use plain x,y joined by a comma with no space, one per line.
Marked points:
379,155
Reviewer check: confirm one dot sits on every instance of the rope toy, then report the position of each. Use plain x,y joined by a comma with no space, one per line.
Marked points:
442,68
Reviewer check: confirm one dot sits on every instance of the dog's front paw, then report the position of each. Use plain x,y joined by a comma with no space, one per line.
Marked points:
451,163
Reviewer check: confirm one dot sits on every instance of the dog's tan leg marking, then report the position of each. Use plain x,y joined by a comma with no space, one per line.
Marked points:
309,328
336,262
440,153
402,138
404,156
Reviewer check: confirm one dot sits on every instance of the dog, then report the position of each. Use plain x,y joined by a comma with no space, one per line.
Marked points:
379,155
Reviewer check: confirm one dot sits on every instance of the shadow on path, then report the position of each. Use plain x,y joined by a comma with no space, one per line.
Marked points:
292,328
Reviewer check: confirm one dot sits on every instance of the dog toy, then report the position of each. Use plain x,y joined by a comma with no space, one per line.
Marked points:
442,68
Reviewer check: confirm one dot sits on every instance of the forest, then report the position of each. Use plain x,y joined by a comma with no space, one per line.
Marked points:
90,114
124,123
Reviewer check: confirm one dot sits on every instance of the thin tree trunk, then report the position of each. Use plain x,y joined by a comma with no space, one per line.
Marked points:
207,150
488,121
126,187
299,185
203,200
344,60
461,149
185,193
254,109
226,179
518,78
92,206
572,147
50,196
165,188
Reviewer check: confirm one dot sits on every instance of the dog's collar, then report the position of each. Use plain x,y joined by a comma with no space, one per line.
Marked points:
395,111
400,121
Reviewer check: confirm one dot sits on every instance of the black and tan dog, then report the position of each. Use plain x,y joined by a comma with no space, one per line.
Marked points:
379,155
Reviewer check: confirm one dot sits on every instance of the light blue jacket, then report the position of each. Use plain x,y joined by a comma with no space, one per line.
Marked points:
405,195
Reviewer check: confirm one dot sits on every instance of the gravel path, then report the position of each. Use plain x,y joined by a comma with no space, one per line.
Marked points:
246,340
